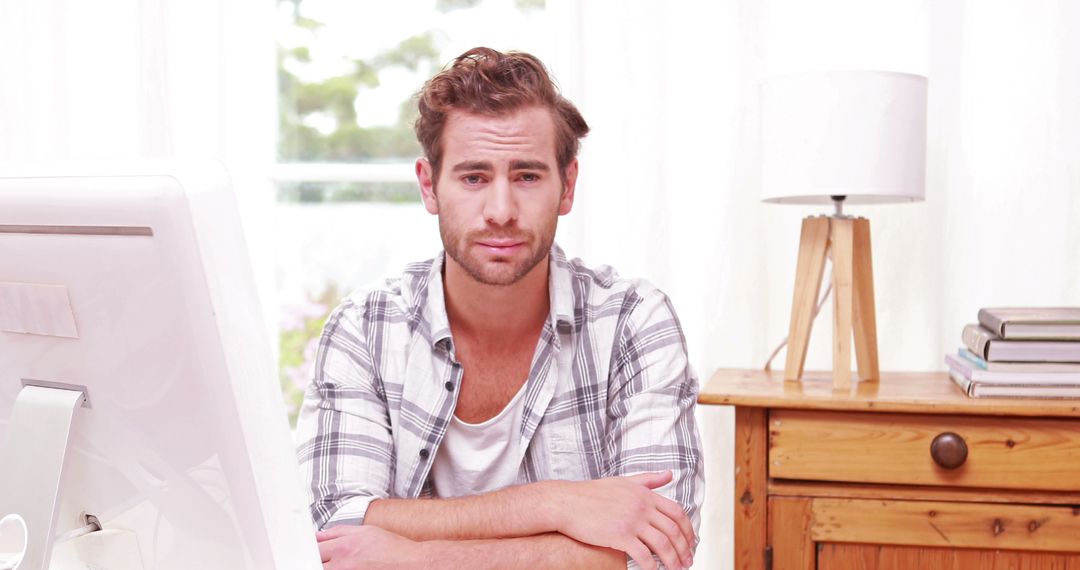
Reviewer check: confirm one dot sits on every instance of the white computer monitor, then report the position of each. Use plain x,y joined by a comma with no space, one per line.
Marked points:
134,364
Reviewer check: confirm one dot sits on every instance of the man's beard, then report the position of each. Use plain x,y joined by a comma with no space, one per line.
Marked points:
502,272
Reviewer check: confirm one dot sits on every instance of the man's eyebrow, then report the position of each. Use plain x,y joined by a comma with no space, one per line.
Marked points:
473,165
529,165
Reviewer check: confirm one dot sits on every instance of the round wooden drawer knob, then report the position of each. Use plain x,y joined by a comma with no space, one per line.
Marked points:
949,450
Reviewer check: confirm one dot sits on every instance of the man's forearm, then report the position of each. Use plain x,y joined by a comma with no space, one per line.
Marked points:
508,513
545,551
624,514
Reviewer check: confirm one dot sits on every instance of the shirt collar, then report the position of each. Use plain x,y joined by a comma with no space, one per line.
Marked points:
560,288
435,304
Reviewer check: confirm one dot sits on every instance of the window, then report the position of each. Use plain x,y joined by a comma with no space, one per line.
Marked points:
348,210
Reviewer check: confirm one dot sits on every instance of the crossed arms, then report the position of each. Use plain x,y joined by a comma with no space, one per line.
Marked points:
576,524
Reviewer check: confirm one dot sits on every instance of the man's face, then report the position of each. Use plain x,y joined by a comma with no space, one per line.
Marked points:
499,193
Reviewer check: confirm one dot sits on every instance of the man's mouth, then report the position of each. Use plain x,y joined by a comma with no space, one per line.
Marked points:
500,245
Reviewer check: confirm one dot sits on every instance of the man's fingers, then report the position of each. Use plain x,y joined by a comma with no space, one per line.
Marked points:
335,532
652,480
661,546
675,536
325,547
675,512
642,555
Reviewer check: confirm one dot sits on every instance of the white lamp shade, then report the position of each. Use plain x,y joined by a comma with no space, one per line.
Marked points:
859,134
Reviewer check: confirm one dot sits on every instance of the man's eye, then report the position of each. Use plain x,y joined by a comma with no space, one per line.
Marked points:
529,177
472,179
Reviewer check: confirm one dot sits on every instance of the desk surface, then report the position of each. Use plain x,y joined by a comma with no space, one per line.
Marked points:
909,392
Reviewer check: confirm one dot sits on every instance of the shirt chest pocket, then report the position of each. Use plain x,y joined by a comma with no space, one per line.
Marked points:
571,454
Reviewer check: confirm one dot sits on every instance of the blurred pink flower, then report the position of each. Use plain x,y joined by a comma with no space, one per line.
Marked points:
294,315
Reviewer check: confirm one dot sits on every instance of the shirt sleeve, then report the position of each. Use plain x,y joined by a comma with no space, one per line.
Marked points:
652,397
345,446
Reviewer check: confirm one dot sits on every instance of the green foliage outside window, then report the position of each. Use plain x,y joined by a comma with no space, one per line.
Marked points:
335,98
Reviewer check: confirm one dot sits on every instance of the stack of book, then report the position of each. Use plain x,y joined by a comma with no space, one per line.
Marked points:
1020,353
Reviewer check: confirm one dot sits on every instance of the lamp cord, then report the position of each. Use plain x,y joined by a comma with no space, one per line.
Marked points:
817,309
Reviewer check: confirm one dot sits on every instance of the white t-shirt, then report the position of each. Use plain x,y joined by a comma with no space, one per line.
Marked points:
483,457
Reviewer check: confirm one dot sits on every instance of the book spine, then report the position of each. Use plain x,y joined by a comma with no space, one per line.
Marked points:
992,323
971,357
977,341
965,385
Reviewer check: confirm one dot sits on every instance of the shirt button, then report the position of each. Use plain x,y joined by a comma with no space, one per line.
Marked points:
424,453
449,386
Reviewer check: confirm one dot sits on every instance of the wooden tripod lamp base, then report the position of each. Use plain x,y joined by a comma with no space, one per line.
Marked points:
847,240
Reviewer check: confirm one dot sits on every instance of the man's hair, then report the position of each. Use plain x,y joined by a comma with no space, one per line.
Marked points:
487,82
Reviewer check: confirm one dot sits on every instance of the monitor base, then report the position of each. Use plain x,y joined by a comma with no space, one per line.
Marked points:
33,458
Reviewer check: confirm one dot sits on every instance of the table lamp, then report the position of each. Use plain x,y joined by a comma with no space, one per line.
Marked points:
836,137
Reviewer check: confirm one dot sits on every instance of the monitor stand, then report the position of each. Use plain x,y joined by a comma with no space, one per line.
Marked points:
33,459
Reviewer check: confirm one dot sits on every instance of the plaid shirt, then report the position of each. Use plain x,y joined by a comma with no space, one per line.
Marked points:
610,391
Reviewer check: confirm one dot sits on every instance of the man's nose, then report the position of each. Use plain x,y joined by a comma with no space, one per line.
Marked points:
500,206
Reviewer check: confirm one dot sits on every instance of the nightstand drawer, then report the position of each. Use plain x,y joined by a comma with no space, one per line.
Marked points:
1040,454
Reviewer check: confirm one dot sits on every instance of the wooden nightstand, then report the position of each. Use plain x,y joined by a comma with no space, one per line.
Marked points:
835,480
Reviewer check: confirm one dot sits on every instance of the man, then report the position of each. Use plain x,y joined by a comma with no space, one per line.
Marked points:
501,406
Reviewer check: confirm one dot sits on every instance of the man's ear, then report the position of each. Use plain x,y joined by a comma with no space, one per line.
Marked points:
567,200
425,176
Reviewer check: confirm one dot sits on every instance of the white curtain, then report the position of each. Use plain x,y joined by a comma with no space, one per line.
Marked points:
669,184
129,79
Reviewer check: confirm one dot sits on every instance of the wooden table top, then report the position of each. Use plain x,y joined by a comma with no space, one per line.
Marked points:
908,392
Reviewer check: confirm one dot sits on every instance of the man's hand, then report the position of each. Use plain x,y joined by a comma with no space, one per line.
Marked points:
625,514
359,547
